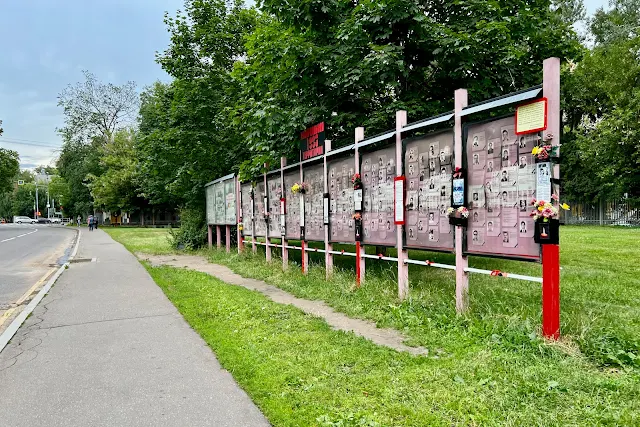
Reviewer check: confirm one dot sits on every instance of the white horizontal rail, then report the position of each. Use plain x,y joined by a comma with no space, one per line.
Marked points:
341,253
499,273
430,264
314,250
382,257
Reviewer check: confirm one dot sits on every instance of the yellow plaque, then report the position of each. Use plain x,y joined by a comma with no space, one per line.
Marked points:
531,117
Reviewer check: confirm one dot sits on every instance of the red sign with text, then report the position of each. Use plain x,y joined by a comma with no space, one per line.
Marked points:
312,141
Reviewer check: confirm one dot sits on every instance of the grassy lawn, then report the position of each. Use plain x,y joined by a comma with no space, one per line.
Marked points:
487,367
302,373
148,240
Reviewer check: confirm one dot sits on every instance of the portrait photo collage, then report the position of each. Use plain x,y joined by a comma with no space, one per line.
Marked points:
501,183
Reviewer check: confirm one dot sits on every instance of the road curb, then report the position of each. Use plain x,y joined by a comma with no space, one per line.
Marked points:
19,320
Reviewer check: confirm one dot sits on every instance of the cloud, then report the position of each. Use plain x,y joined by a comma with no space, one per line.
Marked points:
49,60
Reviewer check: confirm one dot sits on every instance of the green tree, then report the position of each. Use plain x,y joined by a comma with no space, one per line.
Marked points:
76,162
9,167
117,189
93,109
600,149
24,200
59,190
354,63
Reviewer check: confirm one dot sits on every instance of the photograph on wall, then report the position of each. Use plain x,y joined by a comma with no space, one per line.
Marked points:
428,169
378,222
247,209
341,221
230,201
292,205
259,222
501,182
219,203
274,188
313,202
210,198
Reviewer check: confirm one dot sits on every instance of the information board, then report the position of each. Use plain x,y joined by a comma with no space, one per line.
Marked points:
313,202
378,170
502,182
292,205
259,210
341,200
210,197
230,201
247,209
219,203
275,193
428,167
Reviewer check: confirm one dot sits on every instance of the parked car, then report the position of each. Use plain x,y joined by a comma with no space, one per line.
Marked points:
24,220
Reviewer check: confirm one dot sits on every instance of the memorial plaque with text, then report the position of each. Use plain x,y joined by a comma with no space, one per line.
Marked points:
428,167
275,193
501,183
211,215
313,202
219,203
292,205
259,210
247,209
341,200
378,170
230,201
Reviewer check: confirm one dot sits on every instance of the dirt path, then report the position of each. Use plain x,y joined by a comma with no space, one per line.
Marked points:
387,337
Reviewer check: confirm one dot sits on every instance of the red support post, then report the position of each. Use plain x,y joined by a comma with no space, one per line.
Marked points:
358,264
551,291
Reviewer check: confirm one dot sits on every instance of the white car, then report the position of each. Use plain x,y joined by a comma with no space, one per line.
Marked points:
55,220
24,220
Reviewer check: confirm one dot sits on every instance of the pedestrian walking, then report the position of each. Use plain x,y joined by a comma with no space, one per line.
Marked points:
79,220
90,222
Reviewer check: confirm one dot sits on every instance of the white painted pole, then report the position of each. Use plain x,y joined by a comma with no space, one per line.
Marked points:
403,268
462,278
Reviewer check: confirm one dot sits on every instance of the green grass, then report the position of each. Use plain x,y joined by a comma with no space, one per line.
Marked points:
302,373
487,367
600,296
153,241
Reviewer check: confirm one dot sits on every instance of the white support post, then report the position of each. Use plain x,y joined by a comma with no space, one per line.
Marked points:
266,209
303,242
239,216
403,268
254,247
360,249
228,238
462,278
285,251
328,256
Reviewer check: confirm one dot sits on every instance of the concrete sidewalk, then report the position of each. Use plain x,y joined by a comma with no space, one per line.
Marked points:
106,348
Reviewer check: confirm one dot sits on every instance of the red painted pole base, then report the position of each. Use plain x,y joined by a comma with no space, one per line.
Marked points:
358,264
551,291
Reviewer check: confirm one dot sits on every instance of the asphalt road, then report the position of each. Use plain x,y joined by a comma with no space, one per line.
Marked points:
27,253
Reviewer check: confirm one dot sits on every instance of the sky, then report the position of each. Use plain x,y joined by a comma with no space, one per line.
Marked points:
47,43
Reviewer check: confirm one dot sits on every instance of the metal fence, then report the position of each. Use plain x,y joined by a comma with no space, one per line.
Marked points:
622,212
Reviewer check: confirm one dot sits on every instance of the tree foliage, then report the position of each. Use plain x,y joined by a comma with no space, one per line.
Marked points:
93,109
9,167
117,189
601,148
355,63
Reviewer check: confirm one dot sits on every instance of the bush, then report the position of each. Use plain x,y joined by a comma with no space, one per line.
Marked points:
192,233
